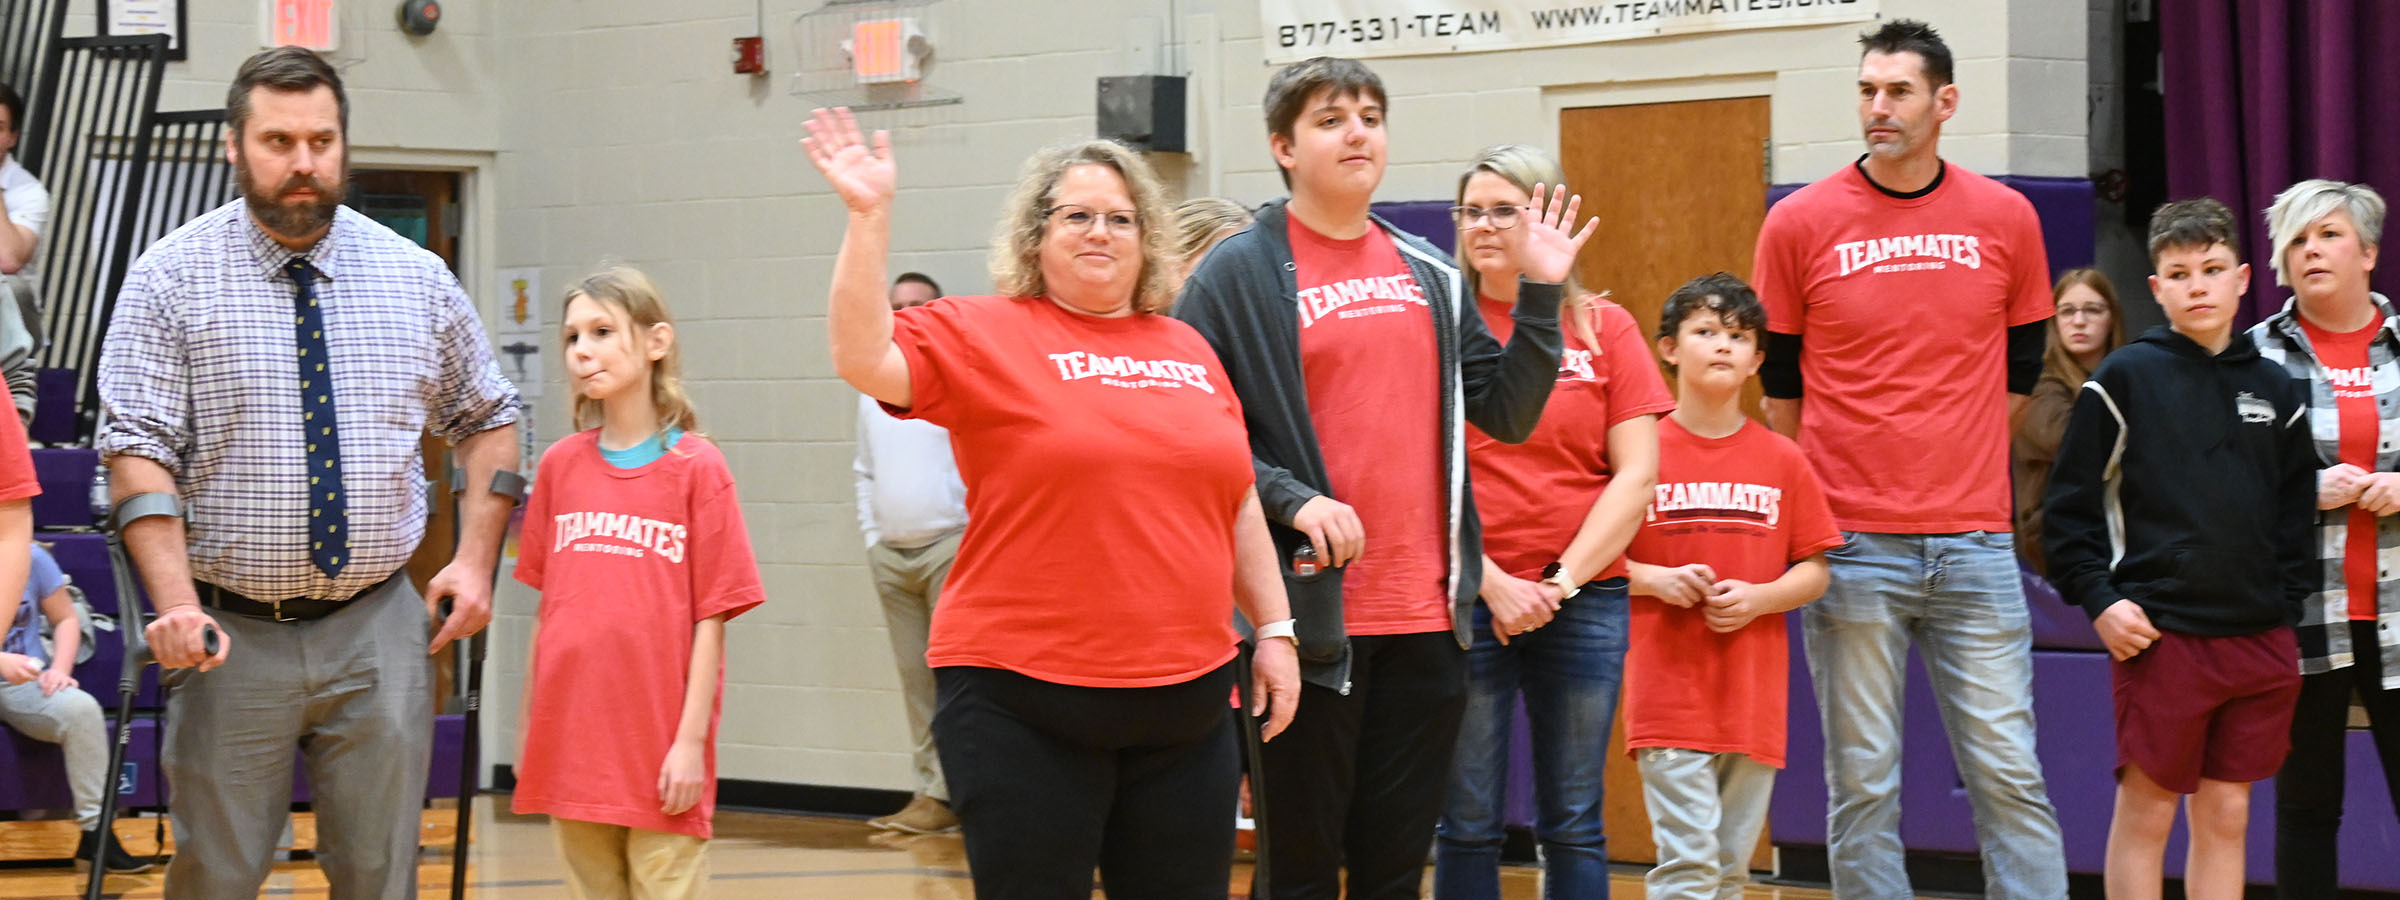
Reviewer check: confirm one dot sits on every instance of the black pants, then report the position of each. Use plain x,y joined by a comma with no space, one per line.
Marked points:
1050,780
1358,779
2308,792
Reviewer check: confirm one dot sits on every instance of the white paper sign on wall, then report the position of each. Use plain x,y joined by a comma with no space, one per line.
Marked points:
1299,29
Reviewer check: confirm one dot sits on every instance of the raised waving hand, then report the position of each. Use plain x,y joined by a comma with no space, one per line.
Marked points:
1547,251
858,320
862,175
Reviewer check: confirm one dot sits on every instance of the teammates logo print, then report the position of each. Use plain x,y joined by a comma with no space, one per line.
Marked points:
2253,410
1910,253
1127,372
620,534
1344,299
1717,501
1576,365
2351,383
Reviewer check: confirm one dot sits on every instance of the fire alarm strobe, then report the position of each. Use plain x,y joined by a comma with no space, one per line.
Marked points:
749,55
418,17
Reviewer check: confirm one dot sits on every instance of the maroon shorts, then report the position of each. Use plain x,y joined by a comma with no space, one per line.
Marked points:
2218,708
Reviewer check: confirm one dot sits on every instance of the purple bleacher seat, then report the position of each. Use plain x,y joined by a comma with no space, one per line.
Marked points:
65,474
54,419
2076,741
2057,624
84,559
33,774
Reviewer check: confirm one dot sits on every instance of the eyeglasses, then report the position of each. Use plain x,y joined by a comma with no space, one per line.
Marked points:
2093,311
1119,221
1502,216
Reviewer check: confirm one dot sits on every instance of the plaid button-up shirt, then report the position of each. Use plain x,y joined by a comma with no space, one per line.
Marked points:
2325,618
201,374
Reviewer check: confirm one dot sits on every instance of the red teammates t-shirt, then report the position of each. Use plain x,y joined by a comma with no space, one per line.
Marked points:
1748,506
1374,394
1534,496
2345,357
1105,462
627,560
1903,307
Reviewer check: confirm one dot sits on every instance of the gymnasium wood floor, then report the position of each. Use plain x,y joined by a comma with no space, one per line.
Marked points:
754,856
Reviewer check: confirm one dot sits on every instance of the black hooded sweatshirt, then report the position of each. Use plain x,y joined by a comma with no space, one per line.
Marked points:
2186,483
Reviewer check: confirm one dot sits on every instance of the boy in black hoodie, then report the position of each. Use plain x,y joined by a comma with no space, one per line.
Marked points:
2179,511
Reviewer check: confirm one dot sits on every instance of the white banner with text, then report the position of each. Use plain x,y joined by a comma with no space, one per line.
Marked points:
1299,29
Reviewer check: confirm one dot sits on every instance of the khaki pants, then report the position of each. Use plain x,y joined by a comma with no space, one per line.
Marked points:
909,579
613,862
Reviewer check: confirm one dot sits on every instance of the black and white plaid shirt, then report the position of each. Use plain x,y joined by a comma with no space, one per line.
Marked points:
2325,618
200,374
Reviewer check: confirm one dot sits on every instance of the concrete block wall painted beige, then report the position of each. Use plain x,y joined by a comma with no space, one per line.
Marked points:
615,130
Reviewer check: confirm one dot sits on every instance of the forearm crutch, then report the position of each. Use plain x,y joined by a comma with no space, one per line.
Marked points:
511,485
137,657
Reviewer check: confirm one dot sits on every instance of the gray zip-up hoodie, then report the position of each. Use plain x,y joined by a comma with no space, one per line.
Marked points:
1244,298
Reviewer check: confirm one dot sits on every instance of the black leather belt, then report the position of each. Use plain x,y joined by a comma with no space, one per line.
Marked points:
297,609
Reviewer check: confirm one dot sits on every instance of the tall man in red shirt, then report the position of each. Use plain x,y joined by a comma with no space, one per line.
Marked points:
1358,372
1906,300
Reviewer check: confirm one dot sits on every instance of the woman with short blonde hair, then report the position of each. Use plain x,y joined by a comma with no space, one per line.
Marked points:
2337,336
1082,650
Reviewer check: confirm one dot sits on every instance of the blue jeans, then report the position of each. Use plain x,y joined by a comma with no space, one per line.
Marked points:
1958,598
1569,671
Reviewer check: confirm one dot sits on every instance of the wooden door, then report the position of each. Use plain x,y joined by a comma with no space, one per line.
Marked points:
1680,190
423,207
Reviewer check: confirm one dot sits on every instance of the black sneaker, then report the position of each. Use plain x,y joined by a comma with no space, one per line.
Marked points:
112,856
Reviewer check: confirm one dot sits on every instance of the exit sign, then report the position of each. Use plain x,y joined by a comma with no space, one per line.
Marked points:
305,23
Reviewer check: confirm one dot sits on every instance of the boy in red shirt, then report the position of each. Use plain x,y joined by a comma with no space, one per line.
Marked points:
1735,537
1359,363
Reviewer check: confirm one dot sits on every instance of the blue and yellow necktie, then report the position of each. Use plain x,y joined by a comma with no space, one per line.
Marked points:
327,542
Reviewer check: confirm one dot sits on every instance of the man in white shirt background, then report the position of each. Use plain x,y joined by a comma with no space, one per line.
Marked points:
24,204
912,507
24,214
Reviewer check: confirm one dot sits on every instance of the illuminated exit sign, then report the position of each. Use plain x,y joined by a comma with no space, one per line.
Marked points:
305,23
886,50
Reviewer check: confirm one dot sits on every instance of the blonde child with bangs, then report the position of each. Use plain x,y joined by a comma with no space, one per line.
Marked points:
634,536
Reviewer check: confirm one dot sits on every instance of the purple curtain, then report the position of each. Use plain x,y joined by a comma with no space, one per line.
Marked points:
2264,93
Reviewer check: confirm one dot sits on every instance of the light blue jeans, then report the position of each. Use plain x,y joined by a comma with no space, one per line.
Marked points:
1706,812
1958,598
1570,672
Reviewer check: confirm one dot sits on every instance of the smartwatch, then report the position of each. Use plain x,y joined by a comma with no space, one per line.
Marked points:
1555,575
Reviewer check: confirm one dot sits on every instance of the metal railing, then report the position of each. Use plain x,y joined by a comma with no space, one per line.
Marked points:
28,28
94,157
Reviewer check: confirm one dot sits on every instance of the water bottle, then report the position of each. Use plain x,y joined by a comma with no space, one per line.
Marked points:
99,497
1304,561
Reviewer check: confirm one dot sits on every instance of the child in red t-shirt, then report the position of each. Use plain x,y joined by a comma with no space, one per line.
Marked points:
1735,536
634,537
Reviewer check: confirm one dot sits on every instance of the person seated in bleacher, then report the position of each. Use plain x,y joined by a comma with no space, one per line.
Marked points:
42,701
24,213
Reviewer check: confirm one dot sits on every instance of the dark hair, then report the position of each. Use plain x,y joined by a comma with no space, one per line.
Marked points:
1911,36
919,278
15,104
1722,293
292,69
2190,224
1289,90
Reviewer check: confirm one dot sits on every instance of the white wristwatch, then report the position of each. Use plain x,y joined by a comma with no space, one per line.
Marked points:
1284,629
1555,575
